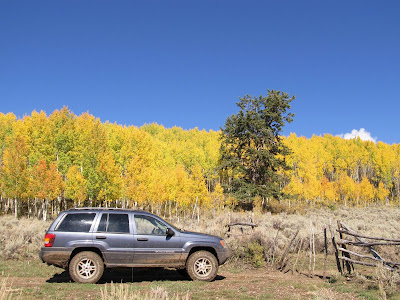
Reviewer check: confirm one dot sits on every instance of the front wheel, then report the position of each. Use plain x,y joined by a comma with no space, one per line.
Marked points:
202,265
86,267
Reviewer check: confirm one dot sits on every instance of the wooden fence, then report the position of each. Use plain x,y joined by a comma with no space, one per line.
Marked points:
347,250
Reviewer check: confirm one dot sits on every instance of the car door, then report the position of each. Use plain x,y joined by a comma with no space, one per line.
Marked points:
153,247
114,235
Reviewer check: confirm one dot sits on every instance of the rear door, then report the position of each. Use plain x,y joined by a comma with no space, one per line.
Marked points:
114,235
152,245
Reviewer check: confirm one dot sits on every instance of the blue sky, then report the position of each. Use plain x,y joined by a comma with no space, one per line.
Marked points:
185,63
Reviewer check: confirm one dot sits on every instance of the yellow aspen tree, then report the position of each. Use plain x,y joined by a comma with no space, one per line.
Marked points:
47,183
217,197
295,188
14,171
75,186
366,191
381,193
329,191
40,137
198,188
183,197
62,125
6,129
109,178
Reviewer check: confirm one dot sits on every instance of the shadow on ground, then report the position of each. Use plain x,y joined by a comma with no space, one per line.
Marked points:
131,275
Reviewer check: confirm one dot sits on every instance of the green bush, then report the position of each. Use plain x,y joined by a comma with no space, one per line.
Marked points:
255,253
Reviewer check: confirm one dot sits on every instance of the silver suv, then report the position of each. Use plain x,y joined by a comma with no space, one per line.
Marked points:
87,240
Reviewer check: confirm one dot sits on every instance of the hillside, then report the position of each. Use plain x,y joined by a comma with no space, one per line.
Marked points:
52,161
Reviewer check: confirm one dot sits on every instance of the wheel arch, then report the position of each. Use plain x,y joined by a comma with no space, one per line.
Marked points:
81,249
202,248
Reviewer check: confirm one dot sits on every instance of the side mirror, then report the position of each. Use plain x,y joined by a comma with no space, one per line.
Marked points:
170,232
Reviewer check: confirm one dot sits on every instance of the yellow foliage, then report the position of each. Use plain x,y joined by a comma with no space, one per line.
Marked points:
82,158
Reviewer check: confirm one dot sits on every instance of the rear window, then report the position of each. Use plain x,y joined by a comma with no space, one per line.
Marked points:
76,222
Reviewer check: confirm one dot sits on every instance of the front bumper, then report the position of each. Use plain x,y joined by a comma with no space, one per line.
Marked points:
223,255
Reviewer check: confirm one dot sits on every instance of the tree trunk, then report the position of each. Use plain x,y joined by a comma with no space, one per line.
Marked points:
44,208
16,208
35,207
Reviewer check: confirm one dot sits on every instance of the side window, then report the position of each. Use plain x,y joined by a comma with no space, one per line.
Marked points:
149,225
76,222
114,223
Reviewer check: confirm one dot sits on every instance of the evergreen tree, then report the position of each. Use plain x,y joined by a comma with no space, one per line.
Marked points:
252,152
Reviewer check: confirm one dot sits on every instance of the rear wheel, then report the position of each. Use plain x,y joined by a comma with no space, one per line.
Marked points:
202,265
86,267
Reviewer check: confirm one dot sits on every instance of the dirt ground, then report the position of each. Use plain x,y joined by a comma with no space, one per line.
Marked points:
231,283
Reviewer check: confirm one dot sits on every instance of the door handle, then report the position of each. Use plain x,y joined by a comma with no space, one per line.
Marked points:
142,239
101,237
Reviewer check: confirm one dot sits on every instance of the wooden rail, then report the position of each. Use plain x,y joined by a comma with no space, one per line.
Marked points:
355,239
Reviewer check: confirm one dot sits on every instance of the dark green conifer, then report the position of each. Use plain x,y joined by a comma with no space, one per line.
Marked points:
251,148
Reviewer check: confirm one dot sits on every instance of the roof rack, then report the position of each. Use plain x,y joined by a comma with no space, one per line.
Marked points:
103,208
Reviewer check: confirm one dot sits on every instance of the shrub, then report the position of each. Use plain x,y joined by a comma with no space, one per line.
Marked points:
388,281
255,253
21,238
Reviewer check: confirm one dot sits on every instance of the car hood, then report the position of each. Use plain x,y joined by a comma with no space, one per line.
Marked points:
198,235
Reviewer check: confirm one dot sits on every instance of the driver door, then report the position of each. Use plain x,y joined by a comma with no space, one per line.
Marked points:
152,245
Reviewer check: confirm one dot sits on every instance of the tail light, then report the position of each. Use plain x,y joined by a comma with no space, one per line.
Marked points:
49,239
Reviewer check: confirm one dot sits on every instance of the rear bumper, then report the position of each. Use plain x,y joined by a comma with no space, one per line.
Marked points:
223,255
55,256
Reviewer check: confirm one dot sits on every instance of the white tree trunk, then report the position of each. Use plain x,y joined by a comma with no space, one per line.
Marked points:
44,206
16,208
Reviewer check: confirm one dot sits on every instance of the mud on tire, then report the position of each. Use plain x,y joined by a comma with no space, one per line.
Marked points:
86,267
202,265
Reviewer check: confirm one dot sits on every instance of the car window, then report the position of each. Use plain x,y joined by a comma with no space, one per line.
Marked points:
76,222
114,223
149,225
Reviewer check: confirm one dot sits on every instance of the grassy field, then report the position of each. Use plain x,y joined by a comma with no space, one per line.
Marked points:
30,279
23,276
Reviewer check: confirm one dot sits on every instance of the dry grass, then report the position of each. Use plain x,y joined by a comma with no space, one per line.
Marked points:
375,221
21,238
331,294
6,293
388,281
126,292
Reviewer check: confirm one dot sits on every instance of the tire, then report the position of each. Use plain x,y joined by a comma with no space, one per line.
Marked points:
86,267
202,265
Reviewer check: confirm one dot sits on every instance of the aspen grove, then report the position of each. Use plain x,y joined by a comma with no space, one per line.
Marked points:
53,162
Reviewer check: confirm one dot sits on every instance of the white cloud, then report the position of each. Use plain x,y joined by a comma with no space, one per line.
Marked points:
362,134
